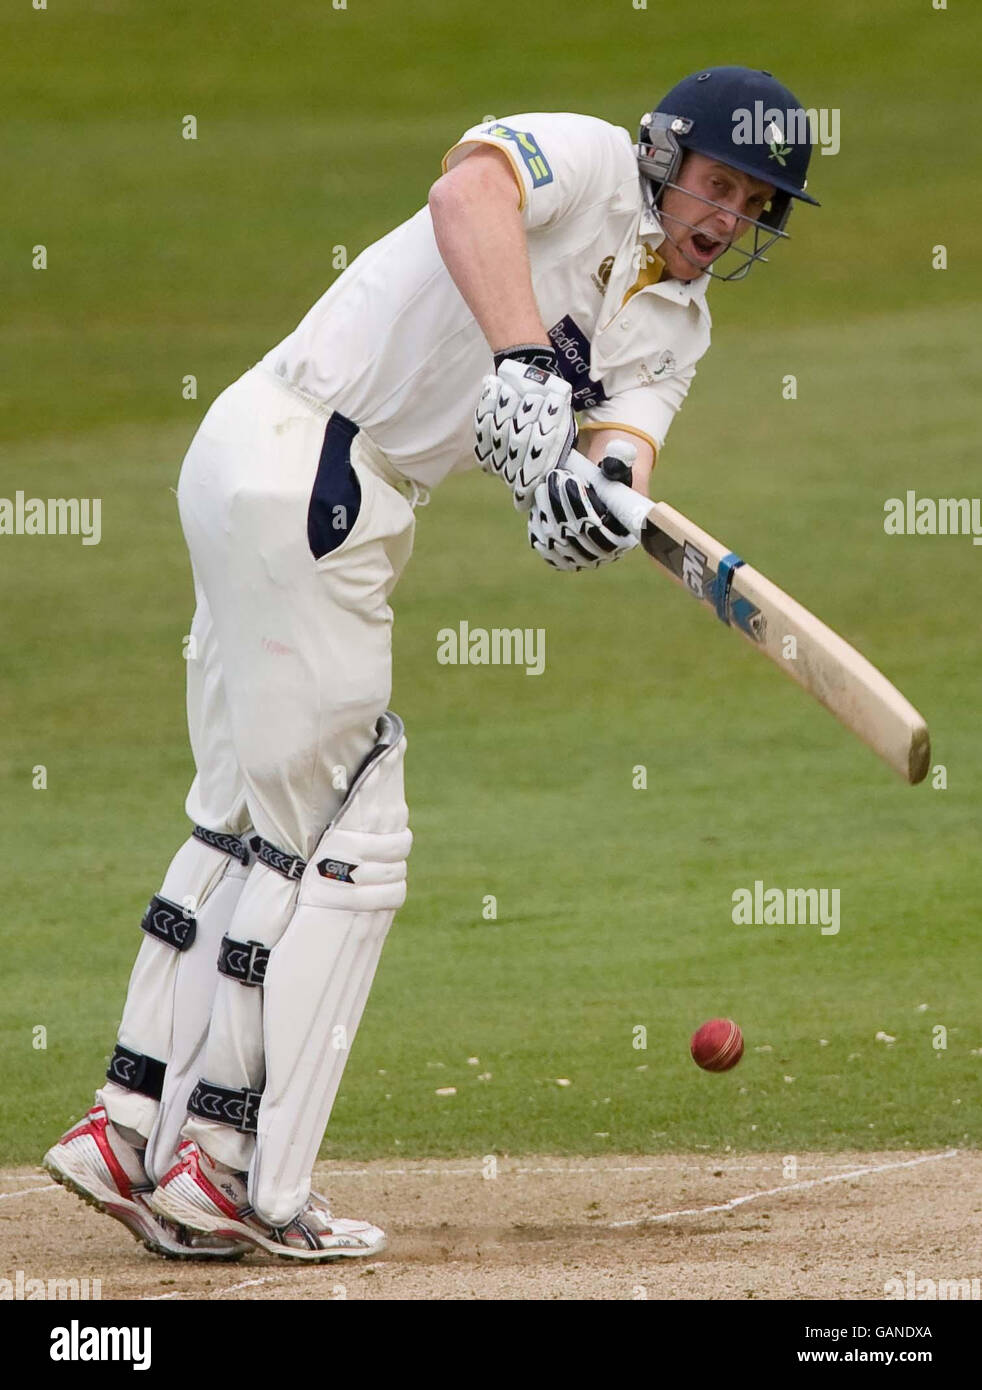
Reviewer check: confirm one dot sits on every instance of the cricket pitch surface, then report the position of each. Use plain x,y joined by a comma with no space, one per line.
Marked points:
666,1227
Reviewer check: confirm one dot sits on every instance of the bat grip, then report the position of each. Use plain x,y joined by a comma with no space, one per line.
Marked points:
628,506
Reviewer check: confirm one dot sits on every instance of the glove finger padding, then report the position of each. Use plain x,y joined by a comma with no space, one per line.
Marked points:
524,426
570,527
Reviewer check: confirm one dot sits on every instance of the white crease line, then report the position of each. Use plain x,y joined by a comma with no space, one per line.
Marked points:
23,1177
505,1171
219,1293
246,1284
401,1172
778,1191
650,1168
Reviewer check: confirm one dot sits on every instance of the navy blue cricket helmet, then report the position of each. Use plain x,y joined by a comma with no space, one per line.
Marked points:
744,118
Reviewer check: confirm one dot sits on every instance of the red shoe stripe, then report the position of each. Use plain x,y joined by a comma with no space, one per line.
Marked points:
178,1167
190,1164
96,1124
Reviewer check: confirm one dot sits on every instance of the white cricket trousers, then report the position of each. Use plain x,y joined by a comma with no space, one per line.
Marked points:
292,655
288,673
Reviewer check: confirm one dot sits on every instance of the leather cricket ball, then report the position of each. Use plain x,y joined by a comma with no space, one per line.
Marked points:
717,1045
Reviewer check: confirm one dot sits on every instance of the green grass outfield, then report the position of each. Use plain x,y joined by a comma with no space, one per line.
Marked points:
169,257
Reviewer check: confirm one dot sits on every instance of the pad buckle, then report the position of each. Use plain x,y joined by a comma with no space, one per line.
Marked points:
256,964
244,961
251,1101
237,1107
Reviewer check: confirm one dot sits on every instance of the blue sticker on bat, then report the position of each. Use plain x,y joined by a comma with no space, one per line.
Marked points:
748,618
535,160
724,578
735,610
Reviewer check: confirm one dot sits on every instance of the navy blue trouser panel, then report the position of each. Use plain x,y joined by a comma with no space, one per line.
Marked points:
336,497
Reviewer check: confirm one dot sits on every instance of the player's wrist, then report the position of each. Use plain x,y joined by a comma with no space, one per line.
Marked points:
541,355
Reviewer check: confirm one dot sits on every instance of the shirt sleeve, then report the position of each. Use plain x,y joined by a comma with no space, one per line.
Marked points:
561,163
646,411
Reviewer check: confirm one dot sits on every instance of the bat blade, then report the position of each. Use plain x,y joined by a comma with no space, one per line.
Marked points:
807,650
821,661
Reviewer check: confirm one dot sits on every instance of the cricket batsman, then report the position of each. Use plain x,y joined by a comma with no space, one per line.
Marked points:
550,298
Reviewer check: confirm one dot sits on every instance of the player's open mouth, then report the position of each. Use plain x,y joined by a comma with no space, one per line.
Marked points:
707,248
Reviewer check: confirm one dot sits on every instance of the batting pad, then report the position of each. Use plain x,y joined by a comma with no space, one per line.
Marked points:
165,980
233,1055
194,993
320,974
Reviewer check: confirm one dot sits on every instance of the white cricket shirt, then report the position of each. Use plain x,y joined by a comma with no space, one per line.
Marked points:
393,346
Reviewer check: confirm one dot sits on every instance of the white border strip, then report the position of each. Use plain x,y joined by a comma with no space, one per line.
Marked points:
26,1191
507,1169
217,1293
779,1191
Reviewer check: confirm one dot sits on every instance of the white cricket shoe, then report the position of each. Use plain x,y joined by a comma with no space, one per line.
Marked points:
94,1161
209,1197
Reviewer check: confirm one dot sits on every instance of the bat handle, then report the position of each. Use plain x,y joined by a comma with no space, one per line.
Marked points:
628,506
616,463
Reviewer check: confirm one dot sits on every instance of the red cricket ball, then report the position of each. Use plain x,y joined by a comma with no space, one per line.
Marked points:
717,1045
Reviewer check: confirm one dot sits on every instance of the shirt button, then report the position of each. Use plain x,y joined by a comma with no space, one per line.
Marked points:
625,323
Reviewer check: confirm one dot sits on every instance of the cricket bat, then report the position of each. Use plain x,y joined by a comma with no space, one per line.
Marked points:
848,685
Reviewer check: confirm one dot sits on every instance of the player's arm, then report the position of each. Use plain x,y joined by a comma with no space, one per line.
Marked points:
480,236
639,415
524,419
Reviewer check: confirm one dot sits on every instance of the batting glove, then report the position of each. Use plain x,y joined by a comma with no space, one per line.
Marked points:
524,426
571,528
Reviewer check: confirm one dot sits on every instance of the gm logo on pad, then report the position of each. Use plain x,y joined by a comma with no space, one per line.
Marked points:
336,869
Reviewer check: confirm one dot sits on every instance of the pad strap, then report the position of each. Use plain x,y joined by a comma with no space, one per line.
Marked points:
136,1072
226,1106
169,923
244,961
289,865
224,842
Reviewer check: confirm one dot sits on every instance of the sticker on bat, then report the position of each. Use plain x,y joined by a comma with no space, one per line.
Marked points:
694,569
748,619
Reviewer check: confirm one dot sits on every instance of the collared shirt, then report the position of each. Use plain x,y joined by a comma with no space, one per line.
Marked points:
393,346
